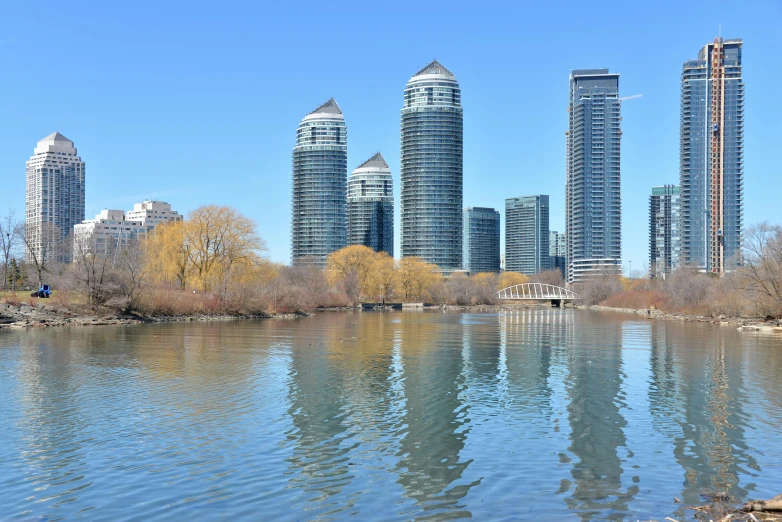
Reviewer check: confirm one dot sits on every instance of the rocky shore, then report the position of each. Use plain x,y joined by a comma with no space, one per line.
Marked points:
741,323
43,315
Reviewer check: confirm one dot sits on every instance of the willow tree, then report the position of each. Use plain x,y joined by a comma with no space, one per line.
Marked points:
214,248
416,277
351,267
222,245
507,279
168,255
383,277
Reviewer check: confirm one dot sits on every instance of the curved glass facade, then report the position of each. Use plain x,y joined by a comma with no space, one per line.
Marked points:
371,206
431,173
320,167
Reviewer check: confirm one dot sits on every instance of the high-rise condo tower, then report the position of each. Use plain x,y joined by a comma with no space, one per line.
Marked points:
593,204
664,230
527,234
371,206
54,199
712,157
320,169
481,240
431,173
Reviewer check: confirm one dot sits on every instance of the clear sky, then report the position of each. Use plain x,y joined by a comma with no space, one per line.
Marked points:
197,102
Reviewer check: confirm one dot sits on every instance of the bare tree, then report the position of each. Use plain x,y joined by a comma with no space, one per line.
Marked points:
92,268
131,264
301,287
44,249
549,277
459,289
687,288
8,242
762,270
485,287
598,288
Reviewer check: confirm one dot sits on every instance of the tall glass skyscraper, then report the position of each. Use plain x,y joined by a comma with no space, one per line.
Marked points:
320,169
371,206
664,230
432,168
481,240
712,157
527,234
593,205
54,199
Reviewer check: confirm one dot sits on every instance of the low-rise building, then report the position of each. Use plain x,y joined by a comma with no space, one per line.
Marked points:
115,228
152,213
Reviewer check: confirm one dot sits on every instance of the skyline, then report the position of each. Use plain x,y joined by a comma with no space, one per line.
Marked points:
513,145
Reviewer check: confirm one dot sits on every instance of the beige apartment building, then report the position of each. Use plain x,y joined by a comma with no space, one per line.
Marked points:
115,228
54,200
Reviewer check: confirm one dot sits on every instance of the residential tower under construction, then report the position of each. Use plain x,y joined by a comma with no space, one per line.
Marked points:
712,157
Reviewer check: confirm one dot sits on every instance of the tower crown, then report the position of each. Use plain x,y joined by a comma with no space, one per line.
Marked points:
376,161
437,68
330,107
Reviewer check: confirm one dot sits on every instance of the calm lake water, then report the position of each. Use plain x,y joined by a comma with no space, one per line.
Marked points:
554,414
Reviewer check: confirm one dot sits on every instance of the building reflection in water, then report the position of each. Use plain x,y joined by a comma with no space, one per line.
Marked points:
436,418
664,399
710,395
594,384
50,422
534,338
320,436
344,414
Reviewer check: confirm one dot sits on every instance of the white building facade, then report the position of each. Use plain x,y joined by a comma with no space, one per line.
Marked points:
54,200
112,229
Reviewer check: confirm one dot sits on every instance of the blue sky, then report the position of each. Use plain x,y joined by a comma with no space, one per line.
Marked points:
197,102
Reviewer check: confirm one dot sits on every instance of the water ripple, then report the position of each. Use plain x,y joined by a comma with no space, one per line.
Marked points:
390,416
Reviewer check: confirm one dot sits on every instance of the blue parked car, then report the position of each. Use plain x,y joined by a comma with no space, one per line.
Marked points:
43,292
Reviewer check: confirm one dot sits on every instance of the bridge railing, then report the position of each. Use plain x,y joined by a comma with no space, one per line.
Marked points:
533,291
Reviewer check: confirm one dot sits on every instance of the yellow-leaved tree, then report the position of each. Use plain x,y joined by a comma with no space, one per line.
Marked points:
383,277
223,246
486,279
350,267
213,249
415,278
507,279
167,255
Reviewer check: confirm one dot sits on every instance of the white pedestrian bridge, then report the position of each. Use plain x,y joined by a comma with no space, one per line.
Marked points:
535,291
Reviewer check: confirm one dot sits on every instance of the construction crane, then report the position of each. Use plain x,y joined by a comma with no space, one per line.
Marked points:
634,96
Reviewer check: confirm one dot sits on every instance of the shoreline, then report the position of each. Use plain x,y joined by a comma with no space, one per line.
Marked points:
743,324
43,315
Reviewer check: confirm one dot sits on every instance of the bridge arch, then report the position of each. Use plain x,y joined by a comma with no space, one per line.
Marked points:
535,291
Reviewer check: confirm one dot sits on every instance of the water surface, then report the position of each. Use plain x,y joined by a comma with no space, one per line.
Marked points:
554,414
